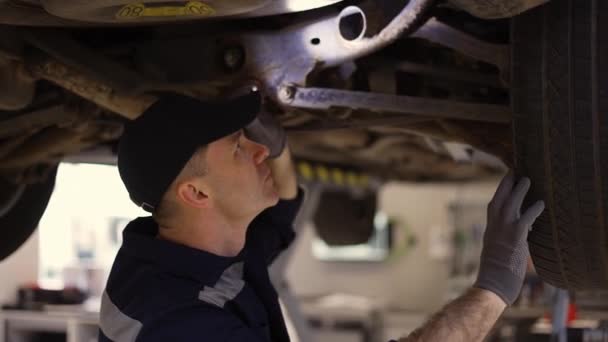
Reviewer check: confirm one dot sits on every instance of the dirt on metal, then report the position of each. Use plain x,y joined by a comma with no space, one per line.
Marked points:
494,9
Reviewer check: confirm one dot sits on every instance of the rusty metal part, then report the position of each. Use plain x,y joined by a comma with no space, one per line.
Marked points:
13,12
17,86
52,143
130,106
7,147
424,129
493,138
293,62
495,9
385,146
296,117
448,73
89,63
36,120
488,137
440,33
401,120
11,44
402,157
414,153
323,98
305,47
382,80
344,139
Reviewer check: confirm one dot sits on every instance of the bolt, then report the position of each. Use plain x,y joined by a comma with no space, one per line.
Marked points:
234,58
287,93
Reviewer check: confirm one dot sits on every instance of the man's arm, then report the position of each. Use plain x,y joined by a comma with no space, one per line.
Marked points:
284,175
502,269
468,318
272,230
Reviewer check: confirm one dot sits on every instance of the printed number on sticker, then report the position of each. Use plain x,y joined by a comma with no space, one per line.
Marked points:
191,8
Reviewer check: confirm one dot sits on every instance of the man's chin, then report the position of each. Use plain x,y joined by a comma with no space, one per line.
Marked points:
270,201
274,198
273,195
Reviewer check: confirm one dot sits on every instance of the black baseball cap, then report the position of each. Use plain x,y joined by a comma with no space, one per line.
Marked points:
156,146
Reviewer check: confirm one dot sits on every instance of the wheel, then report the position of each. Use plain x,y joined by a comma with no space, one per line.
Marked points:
22,208
560,126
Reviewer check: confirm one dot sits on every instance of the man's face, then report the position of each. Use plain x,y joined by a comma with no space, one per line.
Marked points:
238,176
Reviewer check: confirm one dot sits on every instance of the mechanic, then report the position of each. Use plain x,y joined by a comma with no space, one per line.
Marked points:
222,190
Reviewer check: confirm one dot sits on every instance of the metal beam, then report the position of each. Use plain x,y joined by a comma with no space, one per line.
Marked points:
443,34
323,98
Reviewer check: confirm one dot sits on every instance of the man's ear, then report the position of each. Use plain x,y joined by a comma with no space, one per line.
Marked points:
193,194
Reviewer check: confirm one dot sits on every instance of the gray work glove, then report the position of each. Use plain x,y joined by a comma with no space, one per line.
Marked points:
266,130
504,257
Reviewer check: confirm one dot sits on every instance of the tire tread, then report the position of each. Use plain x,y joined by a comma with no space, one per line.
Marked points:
560,118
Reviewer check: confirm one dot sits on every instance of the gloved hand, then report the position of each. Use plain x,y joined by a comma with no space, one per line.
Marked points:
266,130
504,257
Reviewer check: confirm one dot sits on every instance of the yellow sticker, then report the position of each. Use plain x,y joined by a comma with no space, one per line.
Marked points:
364,180
322,173
139,10
351,178
306,171
337,176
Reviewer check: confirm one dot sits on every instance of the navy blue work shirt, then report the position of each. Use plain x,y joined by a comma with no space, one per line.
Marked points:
163,291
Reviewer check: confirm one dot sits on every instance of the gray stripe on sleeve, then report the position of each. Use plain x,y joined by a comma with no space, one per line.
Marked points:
227,287
115,324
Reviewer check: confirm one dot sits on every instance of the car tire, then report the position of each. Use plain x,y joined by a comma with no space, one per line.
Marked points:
19,221
560,125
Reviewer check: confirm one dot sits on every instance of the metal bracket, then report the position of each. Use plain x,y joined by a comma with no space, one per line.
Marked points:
443,34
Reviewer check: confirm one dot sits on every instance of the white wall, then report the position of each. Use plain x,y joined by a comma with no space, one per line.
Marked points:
414,280
84,194
86,198
18,269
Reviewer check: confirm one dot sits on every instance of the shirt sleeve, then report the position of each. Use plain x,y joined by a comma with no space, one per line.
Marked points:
272,230
195,324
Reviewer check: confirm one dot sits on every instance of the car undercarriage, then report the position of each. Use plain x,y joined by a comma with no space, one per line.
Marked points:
421,110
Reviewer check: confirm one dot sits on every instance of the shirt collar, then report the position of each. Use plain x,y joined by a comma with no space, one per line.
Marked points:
140,241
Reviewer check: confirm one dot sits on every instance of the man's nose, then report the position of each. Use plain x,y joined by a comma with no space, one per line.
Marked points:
260,152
